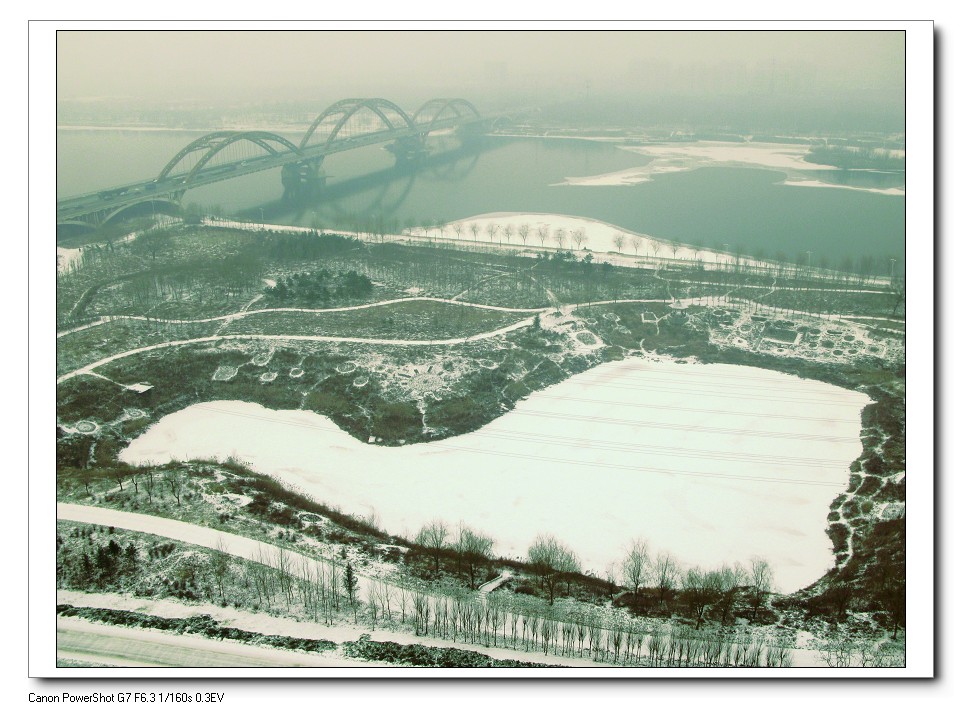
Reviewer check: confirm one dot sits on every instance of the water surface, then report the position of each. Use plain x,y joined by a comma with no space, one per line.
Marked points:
744,207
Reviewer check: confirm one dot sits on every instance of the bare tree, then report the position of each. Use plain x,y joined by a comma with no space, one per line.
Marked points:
154,241
372,603
579,236
474,549
619,241
508,232
543,231
666,574
175,483
636,243
492,230
433,537
559,237
611,578
635,566
760,584
457,228
702,590
220,567
282,563
730,578
551,559
148,483
523,232
475,228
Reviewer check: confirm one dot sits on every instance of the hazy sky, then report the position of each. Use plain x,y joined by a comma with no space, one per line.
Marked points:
258,66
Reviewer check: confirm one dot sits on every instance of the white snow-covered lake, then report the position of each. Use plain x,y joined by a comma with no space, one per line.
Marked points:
715,463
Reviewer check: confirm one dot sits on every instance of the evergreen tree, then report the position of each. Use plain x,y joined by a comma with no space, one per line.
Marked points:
350,588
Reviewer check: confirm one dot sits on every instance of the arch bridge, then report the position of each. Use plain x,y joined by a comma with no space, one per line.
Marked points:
226,154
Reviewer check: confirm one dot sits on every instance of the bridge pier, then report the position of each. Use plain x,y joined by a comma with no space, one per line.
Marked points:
302,179
407,149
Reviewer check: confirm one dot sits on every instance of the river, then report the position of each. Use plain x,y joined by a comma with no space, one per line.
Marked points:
759,199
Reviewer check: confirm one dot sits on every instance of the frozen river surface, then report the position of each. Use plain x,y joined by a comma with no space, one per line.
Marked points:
715,463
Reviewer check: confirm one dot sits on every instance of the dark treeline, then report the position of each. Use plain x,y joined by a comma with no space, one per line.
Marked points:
318,287
855,158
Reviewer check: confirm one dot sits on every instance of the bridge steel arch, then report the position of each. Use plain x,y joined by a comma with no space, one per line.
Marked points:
216,142
350,107
431,111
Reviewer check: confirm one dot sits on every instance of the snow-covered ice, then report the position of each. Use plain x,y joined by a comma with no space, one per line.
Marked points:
714,463
684,156
895,191
700,154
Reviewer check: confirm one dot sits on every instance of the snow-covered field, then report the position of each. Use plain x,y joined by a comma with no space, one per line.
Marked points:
599,238
68,259
715,463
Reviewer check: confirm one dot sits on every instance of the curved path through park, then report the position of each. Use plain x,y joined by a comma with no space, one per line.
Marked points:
527,321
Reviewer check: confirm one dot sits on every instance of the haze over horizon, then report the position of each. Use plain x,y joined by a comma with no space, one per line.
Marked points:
794,71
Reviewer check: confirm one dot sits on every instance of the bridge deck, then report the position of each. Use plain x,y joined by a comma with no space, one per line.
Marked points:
171,187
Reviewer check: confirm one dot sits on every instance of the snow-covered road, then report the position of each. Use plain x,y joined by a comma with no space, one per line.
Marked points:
239,546
136,647
277,625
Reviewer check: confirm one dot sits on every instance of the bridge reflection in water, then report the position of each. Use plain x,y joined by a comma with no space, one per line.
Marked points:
378,195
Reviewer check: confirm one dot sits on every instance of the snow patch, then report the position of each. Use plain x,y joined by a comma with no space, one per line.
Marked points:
224,373
600,240
896,191
692,155
717,463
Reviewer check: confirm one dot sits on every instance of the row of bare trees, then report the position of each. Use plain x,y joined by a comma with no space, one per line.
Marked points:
472,548
581,630
703,590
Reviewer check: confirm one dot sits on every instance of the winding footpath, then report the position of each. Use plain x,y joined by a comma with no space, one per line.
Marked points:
300,338
251,312
225,319
528,321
